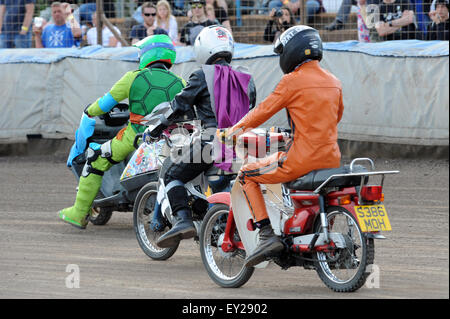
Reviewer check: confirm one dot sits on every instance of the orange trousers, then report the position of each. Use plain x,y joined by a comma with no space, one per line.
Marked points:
270,170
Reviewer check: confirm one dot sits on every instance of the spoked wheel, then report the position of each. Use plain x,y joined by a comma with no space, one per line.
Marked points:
143,211
345,269
225,268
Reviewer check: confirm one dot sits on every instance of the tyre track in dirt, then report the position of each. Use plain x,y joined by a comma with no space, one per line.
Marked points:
35,247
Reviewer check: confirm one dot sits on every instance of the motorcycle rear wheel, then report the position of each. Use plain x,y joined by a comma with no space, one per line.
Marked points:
100,215
346,269
225,268
142,215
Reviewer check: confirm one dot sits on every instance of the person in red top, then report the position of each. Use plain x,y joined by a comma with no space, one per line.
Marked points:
312,98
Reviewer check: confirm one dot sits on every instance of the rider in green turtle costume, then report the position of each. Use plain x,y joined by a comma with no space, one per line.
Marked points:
145,88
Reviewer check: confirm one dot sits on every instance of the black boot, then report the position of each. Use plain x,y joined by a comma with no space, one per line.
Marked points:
183,229
269,245
335,25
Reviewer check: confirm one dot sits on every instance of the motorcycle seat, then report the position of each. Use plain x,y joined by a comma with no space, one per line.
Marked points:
314,179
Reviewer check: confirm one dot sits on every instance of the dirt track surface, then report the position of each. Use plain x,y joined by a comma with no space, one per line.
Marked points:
36,247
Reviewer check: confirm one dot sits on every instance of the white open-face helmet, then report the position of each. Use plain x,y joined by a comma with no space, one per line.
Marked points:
213,42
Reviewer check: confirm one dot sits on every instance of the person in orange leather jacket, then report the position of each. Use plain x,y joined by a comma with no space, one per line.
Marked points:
312,98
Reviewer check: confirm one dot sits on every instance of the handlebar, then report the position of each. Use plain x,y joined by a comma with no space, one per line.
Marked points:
276,129
222,135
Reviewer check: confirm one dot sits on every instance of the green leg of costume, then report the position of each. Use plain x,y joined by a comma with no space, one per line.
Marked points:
77,215
88,187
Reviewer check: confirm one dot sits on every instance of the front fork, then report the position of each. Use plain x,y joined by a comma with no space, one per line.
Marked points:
228,243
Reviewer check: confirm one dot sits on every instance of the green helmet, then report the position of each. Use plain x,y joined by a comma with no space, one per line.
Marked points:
156,48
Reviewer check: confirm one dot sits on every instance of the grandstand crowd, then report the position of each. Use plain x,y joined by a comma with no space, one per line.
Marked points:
72,23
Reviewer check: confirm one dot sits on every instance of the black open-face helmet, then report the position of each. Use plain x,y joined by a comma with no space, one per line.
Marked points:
296,45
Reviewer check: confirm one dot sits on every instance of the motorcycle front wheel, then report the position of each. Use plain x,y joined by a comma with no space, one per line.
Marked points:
143,211
345,269
225,268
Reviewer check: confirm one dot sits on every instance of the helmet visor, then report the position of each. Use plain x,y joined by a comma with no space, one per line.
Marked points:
278,47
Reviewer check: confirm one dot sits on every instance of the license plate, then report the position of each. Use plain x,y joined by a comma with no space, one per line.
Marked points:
372,218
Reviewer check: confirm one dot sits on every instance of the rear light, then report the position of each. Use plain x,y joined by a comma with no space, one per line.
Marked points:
344,200
372,192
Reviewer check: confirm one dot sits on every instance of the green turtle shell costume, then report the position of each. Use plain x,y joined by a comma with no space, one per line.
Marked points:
145,88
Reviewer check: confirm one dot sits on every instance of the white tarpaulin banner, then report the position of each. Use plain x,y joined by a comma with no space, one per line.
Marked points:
388,99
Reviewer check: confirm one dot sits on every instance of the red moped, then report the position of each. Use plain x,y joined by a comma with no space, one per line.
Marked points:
327,219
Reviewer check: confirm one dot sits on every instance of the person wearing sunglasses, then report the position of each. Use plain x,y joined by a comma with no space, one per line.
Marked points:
165,20
199,20
148,28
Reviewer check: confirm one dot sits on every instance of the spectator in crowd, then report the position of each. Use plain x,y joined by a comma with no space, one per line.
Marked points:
180,5
396,21
313,7
63,32
15,23
141,31
137,14
343,13
165,20
198,21
46,14
421,7
363,30
220,14
281,20
438,29
210,13
72,21
108,38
